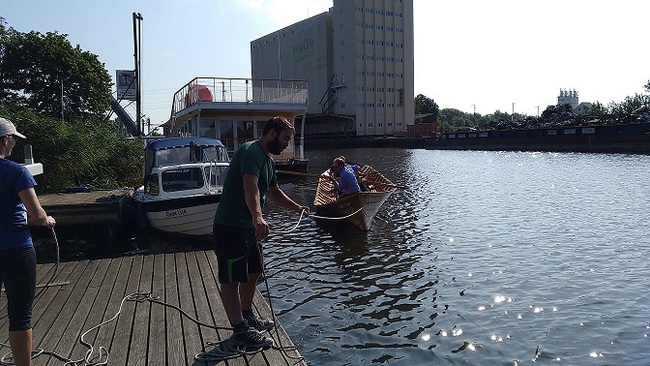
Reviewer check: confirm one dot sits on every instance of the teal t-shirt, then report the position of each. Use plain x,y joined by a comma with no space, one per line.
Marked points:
248,159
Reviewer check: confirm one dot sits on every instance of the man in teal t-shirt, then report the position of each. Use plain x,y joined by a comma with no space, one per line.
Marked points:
239,227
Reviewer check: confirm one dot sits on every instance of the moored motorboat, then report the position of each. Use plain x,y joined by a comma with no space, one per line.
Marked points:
360,208
183,183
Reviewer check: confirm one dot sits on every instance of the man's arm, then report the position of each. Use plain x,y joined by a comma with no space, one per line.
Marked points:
252,196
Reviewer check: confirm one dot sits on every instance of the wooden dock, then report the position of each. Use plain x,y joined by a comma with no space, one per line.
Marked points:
86,208
84,294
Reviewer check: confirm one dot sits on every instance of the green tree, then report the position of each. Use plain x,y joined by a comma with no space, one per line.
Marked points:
458,118
425,105
45,73
88,152
86,148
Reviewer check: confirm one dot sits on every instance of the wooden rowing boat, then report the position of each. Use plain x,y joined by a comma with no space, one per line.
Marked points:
360,208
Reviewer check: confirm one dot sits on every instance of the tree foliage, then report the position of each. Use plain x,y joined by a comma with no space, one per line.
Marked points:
450,119
84,148
424,105
45,73
80,152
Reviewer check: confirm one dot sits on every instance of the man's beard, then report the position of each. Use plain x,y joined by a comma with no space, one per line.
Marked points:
275,147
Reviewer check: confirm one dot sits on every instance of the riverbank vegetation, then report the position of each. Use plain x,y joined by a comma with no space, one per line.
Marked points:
450,119
59,97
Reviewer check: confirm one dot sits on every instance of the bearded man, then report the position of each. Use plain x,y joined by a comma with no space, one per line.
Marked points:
239,227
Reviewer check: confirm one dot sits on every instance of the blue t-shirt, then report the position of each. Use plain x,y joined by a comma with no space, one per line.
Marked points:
248,159
348,183
14,231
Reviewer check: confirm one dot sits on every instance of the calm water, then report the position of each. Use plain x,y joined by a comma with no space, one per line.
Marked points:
488,258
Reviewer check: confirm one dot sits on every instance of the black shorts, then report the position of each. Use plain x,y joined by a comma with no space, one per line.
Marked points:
18,273
238,253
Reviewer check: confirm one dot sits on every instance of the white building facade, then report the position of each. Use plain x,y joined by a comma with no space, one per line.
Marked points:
358,59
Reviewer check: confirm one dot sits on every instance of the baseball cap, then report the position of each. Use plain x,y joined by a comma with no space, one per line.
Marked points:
8,128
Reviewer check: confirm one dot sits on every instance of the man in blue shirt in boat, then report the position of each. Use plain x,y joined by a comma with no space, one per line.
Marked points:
347,183
239,227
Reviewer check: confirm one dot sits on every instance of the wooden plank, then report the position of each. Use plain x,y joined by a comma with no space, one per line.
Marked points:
138,346
68,301
104,281
156,342
85,294
208,299
190,330
124,329
175,345
49,305
116,278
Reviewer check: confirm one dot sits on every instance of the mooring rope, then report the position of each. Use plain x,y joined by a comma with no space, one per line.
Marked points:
302,213
337,218
283,232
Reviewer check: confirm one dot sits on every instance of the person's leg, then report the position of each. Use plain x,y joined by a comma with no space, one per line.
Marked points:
21,347
230,296
247,291
19,277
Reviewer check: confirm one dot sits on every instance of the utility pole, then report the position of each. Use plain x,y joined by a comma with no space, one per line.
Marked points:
137,45
62,102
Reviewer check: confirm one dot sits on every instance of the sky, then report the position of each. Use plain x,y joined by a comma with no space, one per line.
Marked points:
472,55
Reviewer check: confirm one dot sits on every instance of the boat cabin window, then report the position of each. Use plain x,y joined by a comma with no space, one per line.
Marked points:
182,155
216,175
213,153
182,179
152,187
177,155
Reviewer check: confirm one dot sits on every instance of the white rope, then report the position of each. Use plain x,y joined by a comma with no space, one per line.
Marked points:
293,228
337,218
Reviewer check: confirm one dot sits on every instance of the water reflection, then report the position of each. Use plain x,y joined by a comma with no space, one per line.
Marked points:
486,258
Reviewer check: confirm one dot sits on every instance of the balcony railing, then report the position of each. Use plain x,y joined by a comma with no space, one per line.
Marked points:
241,90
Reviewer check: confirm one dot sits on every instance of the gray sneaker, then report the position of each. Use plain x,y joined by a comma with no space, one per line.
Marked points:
252,339
255,322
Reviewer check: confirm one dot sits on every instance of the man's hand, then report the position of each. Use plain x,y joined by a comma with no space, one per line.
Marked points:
261,227
303,209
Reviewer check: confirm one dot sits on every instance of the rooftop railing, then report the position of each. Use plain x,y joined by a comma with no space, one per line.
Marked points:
241,90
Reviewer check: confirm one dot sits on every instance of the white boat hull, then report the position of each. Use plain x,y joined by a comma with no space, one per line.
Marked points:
188,216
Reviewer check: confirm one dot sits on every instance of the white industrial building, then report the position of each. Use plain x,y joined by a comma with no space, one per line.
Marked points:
358,61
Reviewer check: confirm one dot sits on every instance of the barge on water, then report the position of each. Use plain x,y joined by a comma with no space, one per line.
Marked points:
628,135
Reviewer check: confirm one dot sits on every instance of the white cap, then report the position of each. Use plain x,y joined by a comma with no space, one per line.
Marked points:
8,128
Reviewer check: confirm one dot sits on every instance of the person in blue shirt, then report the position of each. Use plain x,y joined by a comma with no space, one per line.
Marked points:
18,200
347,183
